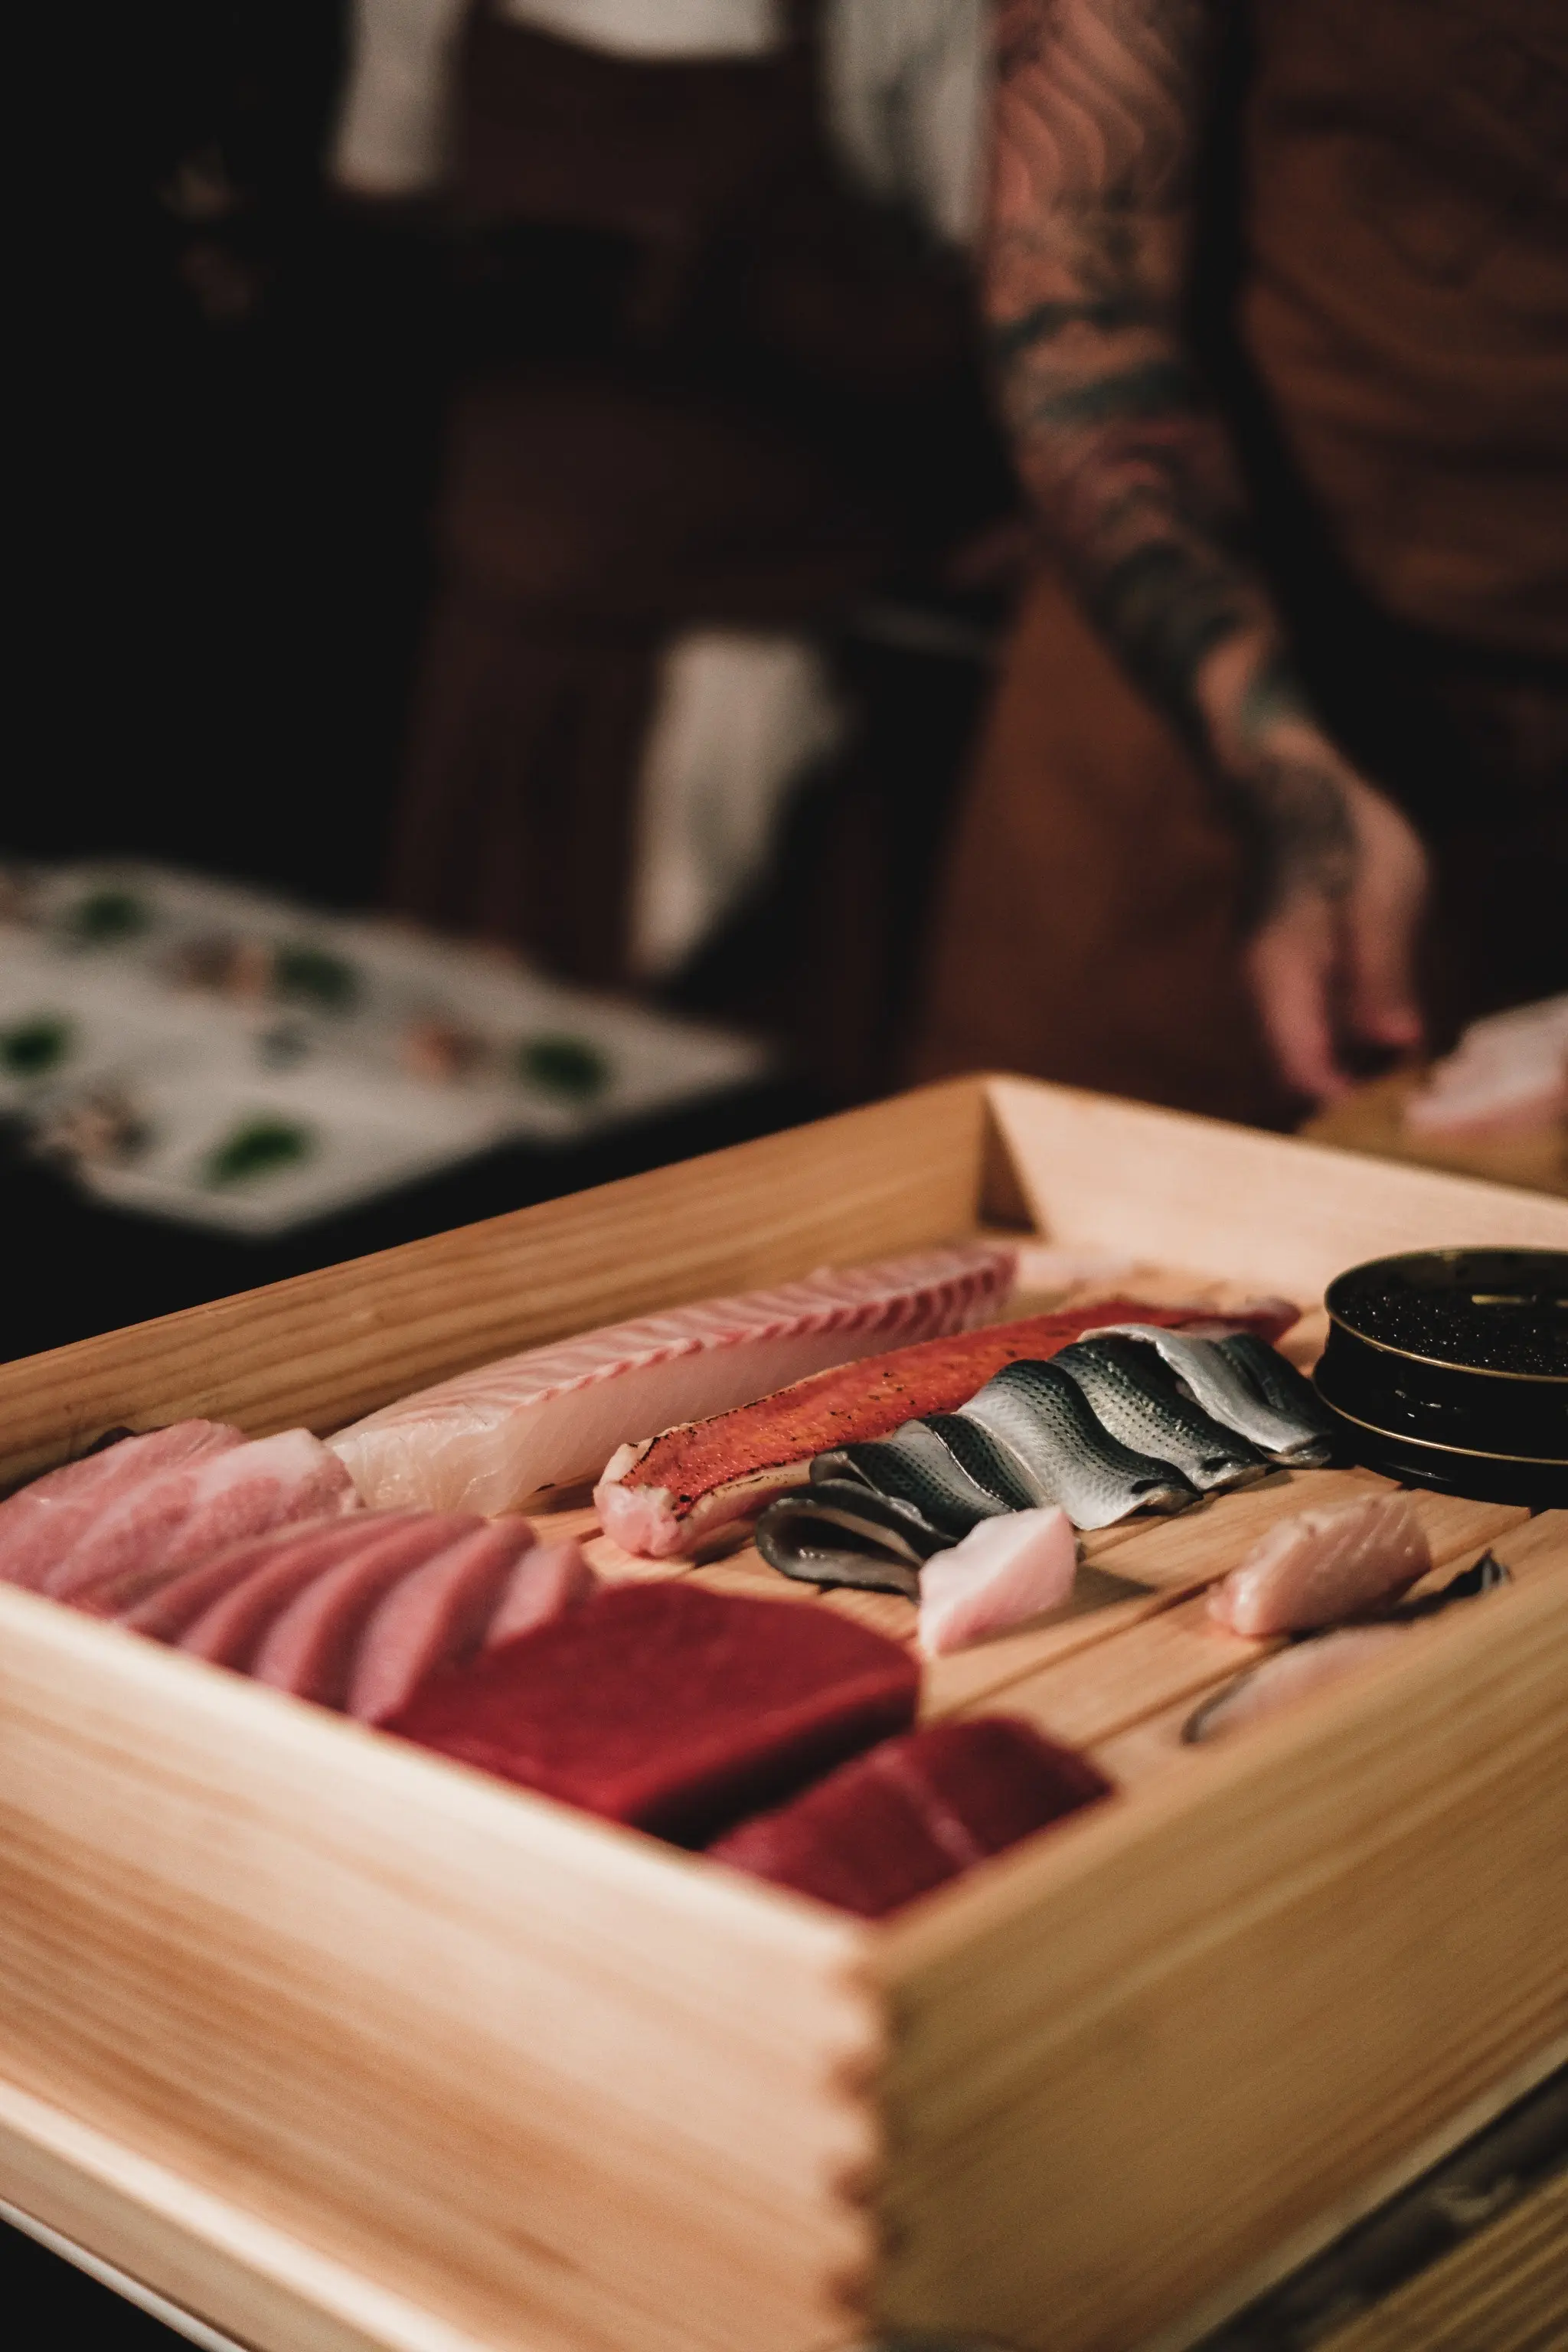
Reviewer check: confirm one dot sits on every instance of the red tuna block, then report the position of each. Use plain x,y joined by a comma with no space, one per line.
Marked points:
914,1813
669,1708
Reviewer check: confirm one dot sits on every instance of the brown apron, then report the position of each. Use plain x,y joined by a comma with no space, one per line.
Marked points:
710,444
1401,392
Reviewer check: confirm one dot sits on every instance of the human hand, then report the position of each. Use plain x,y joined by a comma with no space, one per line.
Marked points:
1332,962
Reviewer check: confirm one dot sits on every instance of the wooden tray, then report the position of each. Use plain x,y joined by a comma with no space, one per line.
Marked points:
340,2046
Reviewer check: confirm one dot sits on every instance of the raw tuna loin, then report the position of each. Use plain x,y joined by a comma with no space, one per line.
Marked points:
914,1813
668,1707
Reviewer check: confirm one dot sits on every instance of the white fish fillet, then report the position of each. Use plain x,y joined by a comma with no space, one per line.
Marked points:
1508,1072
496,1438
1290,1675
1004,1571
1319,1566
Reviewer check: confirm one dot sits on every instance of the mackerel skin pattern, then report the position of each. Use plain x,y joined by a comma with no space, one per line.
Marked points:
914,1466
838,1531
1135,1395
1230,1392
1044,1419
1276,1380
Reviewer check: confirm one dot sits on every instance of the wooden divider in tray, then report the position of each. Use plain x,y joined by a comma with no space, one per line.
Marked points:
343,2047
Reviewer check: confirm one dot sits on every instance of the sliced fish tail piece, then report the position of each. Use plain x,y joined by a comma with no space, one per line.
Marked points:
1135,1394
1291,1676
1318,1567
1252,1395
1065,1455
1003,1574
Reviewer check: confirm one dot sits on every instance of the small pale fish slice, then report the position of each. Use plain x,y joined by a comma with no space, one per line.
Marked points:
914,1466
172,1610
552,1577
839,1532
1289,1676
1231,1393
231,1632
439,1612
42,1523
181,1519
1135,1395
309,1647
1065,1455
1318,1567
1003,1573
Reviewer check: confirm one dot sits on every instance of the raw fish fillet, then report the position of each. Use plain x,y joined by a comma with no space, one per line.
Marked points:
914,1813
667,1493
1290,1674
220,1609
1319,1566
1007,1570
314,1646
40,1523
1508,1072
171,1508
491,1439
483,1591
671,1709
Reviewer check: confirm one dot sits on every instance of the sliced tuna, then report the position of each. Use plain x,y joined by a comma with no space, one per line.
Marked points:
914,1813
493,1438
219,1610
1005,1571
551,1577
442,1611
667,1493
311,1646
1317,1568
42,1523
669,1707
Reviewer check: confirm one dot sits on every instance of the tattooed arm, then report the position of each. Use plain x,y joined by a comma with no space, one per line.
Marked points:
1101,110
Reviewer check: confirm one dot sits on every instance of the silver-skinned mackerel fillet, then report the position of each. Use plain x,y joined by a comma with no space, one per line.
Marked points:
1136,1396
1291,1429
1065,1455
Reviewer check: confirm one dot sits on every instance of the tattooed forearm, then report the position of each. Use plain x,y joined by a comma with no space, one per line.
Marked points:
1100,114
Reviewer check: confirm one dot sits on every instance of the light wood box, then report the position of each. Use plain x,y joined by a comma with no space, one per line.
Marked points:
340,2046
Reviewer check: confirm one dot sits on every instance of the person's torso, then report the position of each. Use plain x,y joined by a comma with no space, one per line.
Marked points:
1405,296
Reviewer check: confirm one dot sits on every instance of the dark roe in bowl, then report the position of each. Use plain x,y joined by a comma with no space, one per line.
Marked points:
1487,1311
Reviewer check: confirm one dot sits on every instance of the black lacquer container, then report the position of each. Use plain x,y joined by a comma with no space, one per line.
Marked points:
1450,1367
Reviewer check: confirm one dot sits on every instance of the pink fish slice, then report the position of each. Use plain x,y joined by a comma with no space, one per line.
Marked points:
287,1557
179,1518
231,1631
309,1647
41,1525
554,1578
1318,1567
438,1613
1004,1571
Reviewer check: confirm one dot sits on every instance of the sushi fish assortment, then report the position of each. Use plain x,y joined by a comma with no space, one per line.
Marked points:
1132,1417
662,1495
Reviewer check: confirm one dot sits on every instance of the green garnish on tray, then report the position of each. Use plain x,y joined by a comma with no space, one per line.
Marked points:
106,917
314,976
257,1147
569,1067
34,1047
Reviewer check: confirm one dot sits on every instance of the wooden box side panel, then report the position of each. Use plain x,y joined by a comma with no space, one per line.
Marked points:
1265,1209
1130,2065
538,2078
325,1347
